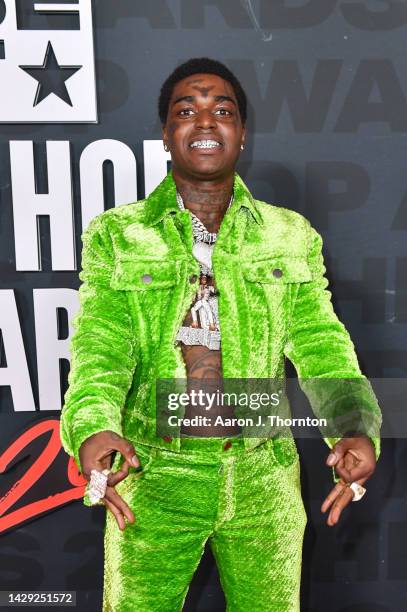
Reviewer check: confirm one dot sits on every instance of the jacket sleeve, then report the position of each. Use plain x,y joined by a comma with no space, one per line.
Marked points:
102,348
323,354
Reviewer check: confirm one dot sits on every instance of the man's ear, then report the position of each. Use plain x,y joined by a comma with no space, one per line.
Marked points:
244,135
164,133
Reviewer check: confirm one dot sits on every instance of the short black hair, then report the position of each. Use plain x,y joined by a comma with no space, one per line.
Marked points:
200,65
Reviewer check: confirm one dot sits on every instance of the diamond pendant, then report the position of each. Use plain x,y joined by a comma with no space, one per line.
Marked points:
203,254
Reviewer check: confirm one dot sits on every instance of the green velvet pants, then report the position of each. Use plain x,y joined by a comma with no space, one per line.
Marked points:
246,503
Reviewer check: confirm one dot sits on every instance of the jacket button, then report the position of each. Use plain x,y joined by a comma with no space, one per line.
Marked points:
227,445
277,273
193,278
147,278
167,438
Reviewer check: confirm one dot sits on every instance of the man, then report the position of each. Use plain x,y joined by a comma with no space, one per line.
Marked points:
145,267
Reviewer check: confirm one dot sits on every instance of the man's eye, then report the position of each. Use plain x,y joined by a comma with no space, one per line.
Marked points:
186,111
223,111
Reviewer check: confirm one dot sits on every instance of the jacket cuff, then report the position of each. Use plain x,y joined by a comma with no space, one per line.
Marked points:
87,423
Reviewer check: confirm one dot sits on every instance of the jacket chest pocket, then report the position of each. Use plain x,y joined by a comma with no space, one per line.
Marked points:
144,274
277,271
152,284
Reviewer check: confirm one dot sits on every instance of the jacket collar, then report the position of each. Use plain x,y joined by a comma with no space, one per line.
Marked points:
162,201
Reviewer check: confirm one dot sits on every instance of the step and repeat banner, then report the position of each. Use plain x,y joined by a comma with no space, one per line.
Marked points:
79,133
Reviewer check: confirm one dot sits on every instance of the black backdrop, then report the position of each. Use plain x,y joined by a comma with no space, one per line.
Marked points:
327,137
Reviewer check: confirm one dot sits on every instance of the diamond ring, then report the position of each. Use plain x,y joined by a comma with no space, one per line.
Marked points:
358,491
97,485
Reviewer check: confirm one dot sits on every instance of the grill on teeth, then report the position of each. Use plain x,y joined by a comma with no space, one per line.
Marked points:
205,144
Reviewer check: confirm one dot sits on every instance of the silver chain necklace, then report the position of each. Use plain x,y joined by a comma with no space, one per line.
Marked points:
201,234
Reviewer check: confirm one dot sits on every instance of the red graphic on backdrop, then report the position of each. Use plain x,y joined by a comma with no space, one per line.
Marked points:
34,474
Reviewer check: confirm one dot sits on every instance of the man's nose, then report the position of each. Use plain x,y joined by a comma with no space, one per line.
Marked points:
205,119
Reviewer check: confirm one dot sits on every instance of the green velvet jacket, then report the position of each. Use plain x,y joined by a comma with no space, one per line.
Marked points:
273,304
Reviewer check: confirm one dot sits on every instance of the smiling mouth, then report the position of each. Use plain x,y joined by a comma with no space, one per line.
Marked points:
205,144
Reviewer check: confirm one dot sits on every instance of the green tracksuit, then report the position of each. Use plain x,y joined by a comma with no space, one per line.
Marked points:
139,279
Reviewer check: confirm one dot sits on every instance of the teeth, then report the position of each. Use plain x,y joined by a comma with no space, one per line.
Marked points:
205,144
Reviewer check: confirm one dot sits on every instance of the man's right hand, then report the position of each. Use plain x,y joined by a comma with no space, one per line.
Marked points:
96,453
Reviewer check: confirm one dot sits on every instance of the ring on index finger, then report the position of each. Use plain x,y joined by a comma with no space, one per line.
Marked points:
97,485
358,491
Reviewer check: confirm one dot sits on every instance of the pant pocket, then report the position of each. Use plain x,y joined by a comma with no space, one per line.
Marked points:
128,487
145,456
283,450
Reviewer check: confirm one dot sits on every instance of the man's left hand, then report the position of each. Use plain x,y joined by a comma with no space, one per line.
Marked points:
355,461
